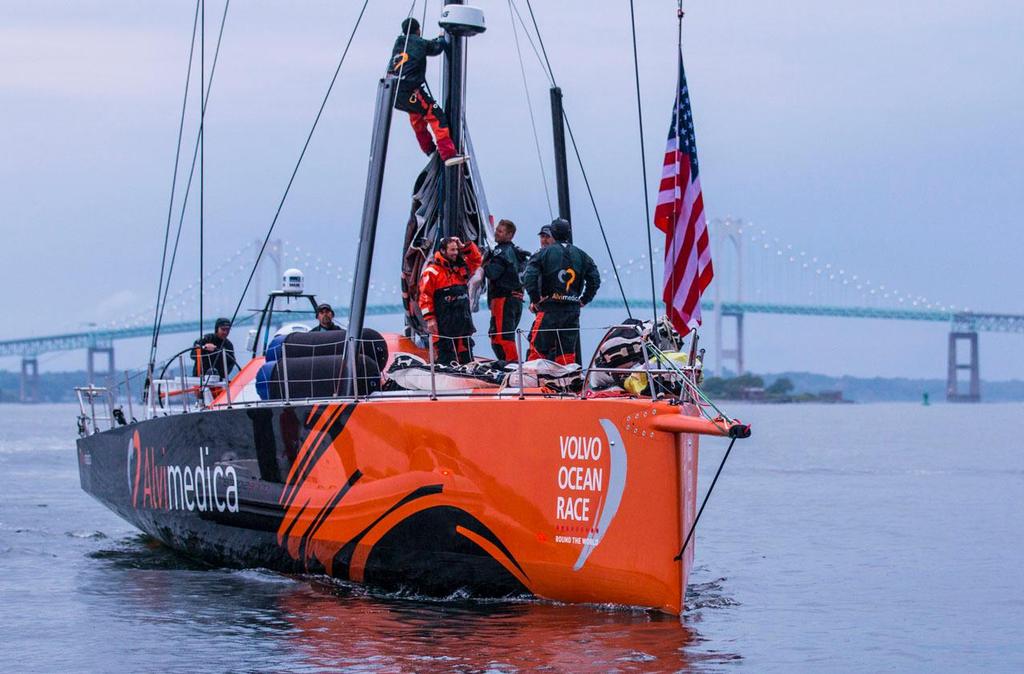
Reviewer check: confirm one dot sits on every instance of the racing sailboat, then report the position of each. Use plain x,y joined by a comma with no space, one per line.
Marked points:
305,462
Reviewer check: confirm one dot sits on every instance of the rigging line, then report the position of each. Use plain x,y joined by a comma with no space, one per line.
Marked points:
526,31
405,48
174,186
597,214
540,39
202,154
693,527
192,170
576,150
529,106
643,164
298,163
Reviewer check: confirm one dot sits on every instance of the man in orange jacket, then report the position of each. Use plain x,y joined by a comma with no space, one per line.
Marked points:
444,299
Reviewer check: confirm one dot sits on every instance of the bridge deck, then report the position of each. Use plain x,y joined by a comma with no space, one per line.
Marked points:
961,321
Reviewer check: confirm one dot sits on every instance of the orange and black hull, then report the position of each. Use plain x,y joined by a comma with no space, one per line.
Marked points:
566,499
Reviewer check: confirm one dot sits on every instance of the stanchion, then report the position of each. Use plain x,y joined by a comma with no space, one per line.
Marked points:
227,381
284,371
128,394
181,369
519,361
430,354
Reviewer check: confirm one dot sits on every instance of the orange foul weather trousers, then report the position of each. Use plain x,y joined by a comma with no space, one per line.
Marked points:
505,315
426,115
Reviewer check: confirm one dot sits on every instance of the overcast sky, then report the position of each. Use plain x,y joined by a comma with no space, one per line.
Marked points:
887,137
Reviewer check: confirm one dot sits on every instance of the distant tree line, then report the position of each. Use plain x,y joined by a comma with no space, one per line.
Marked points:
752,387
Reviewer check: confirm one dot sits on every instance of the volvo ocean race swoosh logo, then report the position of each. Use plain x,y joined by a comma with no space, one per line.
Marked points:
132,465
609,505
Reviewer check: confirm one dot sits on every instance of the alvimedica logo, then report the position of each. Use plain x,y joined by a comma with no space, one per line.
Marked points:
191,487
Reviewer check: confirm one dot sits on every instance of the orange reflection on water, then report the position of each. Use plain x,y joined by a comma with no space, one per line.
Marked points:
337,627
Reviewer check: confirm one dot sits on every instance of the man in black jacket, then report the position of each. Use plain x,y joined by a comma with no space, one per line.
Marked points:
559,279
409,64
503,267
217,351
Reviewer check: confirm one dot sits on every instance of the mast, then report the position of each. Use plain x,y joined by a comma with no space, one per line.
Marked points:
561,165
368,228
454,87
459,21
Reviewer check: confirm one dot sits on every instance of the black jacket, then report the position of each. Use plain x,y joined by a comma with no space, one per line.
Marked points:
411,59
561,273
503,267
213,361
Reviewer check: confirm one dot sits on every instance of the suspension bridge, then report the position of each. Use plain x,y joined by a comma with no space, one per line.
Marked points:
755,274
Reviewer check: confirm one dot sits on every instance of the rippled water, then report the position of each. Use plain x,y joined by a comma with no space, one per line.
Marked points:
855,537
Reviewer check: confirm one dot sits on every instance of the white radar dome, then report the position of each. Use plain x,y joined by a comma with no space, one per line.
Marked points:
292,281
462,20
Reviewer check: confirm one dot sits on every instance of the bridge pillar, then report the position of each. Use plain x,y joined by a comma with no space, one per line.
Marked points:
953,393
721,353
91,362
29,379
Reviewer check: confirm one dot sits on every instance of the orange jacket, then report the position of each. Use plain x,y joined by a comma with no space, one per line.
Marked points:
441,274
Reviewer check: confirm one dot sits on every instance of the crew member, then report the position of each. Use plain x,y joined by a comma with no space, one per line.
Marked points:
503,267
559,279
444,299
409,64
545,236
325,316
218,353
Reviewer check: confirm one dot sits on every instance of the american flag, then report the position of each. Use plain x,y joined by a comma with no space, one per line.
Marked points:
680,214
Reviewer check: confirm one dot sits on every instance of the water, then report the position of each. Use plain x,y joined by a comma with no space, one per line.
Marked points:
840,538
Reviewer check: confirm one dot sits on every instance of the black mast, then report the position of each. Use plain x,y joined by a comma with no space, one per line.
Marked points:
561,165
454,79
368,229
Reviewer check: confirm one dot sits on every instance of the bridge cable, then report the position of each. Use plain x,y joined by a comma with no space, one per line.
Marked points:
191,174
576,150
529,106
298,163
643,163
174,185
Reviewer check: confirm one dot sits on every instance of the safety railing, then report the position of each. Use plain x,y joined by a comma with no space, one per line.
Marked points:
447,366
546,364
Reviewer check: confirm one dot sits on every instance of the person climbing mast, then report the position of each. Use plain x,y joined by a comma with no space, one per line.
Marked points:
409,65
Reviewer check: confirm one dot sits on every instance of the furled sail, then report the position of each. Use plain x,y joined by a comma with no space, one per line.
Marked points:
424,231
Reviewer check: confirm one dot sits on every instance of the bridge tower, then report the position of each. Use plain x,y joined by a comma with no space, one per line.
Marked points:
30,379
275,254
732,231
91,353
963,332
